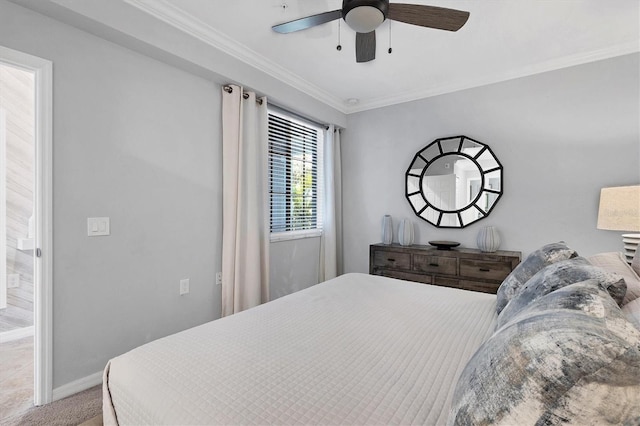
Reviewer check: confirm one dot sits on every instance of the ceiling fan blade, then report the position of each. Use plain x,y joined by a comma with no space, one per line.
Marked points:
307,22
365,46
428,16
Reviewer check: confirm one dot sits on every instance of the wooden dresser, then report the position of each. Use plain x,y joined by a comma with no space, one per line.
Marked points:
464,268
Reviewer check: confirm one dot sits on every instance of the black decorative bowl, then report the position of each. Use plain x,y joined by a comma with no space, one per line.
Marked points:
444,245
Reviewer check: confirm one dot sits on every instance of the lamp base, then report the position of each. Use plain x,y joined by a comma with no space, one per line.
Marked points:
630,242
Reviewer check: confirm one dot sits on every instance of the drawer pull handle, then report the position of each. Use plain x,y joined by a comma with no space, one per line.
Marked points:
485,270
433,264
391,260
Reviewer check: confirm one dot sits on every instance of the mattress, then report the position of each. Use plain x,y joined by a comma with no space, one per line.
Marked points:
358,349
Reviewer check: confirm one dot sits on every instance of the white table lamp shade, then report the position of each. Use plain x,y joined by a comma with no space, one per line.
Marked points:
620,211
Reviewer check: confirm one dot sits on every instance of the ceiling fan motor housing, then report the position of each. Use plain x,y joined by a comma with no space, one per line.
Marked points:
364,16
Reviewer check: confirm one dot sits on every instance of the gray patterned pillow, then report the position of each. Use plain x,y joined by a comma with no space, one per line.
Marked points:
632,312
616,262
570,357
546,255
558,275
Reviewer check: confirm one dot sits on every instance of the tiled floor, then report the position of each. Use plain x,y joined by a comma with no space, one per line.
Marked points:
16,376
14,316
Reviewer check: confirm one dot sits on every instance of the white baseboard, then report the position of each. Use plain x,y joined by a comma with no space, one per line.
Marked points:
16,334
77,386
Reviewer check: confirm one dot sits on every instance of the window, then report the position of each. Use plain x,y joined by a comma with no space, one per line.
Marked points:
295,178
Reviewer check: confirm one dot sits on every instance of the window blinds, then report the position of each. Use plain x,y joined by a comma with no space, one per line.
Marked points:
295,158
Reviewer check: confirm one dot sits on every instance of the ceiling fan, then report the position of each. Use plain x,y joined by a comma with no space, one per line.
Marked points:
364,16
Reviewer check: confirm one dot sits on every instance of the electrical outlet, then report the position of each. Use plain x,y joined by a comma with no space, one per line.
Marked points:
13,280
184,286
218,278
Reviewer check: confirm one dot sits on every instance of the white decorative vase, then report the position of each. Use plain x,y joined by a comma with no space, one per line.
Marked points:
405,233
488,239
387,229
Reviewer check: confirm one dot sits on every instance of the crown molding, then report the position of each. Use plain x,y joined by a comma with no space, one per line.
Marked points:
552,65
174,16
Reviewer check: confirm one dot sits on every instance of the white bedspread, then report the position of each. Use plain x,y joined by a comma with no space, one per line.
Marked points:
358,349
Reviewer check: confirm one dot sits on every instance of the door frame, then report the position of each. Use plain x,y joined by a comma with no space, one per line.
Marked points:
43,208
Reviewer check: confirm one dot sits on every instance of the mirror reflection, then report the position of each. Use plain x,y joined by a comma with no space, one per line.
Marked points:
454,182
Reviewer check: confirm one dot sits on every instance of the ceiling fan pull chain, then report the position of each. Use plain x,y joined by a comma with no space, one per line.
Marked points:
339,46
390,49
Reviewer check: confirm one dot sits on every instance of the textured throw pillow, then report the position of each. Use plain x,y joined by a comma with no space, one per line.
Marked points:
569,357
632,312
546,255
558,275
616,262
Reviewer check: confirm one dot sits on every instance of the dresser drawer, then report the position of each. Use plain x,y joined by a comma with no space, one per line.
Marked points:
483,287
435,264
392,259
447,282
408,276
464,268
484,269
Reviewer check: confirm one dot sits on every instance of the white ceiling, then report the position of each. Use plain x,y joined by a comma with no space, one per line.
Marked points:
502,39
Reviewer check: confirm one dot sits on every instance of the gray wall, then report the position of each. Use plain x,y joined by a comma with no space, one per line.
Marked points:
293,265
152,37
138,141
561,136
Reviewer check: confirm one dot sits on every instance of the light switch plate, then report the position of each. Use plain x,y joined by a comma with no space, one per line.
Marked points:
98,226
184,286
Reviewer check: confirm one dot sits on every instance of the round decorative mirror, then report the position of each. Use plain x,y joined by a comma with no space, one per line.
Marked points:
454,182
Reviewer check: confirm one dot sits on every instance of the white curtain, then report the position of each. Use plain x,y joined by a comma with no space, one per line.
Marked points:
245,213
331,241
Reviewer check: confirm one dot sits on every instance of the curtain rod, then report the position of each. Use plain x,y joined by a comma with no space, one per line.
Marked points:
229,89
300,117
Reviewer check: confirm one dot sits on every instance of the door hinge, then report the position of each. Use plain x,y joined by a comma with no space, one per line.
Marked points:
38,252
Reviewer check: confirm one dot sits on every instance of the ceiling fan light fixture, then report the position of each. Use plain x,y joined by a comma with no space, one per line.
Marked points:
364,16
364,19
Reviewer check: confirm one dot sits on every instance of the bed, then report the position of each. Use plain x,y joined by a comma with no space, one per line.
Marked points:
552,347
358,349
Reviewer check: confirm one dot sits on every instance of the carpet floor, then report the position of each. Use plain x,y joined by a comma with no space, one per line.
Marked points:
82,408
16,394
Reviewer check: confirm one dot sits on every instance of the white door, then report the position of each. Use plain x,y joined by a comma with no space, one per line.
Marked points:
3,211
42,70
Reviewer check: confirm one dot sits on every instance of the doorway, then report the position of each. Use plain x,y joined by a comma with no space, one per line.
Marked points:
17,233
25,227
